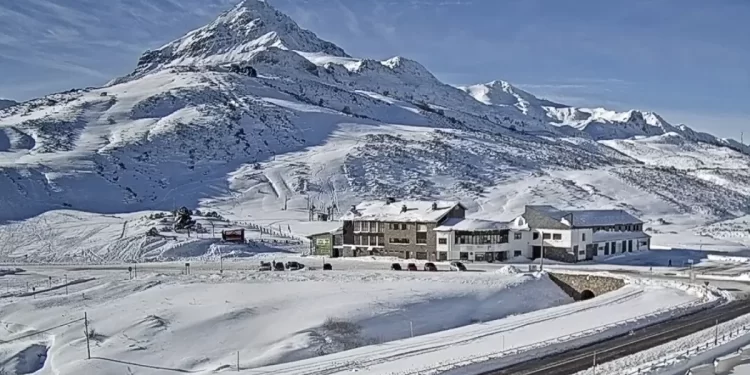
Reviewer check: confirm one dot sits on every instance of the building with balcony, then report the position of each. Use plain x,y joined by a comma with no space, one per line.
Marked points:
575,235
482,240
403,229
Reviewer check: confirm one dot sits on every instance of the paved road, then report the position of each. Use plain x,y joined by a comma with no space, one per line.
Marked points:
581,359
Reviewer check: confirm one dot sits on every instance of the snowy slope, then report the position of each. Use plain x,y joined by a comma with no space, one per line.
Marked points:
317,125
163,321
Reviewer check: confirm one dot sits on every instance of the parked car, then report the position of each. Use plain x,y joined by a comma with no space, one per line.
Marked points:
429,266
395,267
327,267
278,266
264,266
294,266
411,267
457,266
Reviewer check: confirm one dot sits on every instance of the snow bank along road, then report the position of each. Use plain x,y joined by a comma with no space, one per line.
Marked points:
277,321
518,337
580,359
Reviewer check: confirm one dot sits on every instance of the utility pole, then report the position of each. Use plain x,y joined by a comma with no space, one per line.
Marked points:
716,333
238,361
594,363
221,263
66,284
86,325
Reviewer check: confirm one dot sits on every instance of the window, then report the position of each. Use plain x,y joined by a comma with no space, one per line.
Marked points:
404,226
422,237
536,235
517,236
575,251
557,236
442,241
583,237
517,253
357,226
421,227
546,236
463,256
421,255
442,256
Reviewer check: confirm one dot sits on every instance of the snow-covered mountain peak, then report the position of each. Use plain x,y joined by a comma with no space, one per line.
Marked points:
235,36
502,93
408,67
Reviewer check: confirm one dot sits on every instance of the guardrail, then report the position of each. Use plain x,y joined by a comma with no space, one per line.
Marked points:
564,343
693,351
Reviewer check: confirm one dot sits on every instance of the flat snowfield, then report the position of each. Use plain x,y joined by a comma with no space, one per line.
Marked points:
304,322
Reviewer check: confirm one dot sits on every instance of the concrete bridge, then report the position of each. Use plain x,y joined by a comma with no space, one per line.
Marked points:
582,287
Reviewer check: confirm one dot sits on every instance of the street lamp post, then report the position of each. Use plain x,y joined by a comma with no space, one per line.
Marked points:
541,260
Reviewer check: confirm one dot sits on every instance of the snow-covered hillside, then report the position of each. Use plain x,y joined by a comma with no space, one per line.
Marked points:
194,126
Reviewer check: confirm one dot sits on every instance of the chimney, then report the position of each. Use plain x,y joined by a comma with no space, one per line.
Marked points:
403,208
434,206
353,209
390,200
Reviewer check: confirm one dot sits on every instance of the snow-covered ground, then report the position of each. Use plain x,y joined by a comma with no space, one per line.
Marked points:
165,319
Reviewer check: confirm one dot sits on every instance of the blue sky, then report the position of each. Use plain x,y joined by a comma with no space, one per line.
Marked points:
689,60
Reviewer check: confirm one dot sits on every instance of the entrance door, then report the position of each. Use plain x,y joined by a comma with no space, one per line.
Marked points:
536,252
630,246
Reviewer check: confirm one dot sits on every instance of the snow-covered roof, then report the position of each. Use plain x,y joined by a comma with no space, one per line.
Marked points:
316,228
416,211
471,225
589,218
604,236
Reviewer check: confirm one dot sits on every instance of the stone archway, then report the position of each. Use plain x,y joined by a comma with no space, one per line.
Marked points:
587,294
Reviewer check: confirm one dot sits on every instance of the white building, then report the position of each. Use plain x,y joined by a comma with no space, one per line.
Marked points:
576,235
482,240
